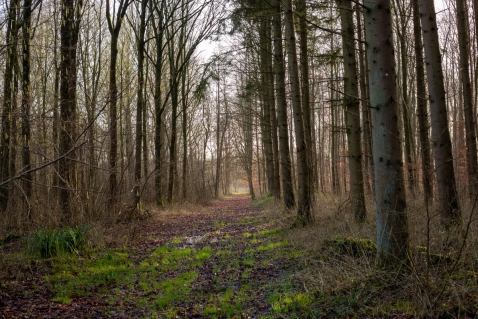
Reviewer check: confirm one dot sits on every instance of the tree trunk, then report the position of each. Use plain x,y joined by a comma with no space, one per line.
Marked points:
305,89
352,111
392,228
272,112
447,192
5,139
139,108
470,125
185,134
402,23
26,100
422,105
218,144
70,15
304,212
282,120
265,118
366,127
114,30
158,109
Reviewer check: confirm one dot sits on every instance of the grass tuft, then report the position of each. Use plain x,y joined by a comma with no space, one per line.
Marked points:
50,243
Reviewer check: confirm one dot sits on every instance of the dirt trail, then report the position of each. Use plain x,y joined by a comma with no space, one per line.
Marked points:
223,260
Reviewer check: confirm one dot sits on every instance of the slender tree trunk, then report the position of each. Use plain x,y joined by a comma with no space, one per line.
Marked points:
282,120
392,228
70,15
26,99
272,112
218,144
304,212
56,97
447,192
174,134
401,26
5,139
185,135
139,107
265,119
113,120
158,109
366,127
145,119
352,111
422,105
114,30
305,89
249,144
470,125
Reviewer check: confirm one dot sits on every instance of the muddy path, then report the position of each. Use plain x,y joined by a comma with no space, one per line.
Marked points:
225,260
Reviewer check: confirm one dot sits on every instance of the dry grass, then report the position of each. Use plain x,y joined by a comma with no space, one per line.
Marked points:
445,283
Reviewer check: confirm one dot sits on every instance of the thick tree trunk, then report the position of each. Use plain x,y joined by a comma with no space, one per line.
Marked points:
422,105
282,121
392,228
352,111
447,192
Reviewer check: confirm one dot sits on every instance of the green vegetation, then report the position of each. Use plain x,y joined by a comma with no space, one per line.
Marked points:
50,243
253,268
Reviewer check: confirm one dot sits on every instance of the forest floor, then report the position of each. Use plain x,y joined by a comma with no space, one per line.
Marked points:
230,259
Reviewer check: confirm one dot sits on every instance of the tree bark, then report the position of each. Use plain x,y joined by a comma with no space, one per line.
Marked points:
305,89
366,117
5,139
304,209
114,29
265,119
392,228
282,118
470,125
26,100
272,111
352,111
139,107
447,193
158,30
422,109
69,31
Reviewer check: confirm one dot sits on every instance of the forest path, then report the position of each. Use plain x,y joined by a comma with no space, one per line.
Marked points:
224,260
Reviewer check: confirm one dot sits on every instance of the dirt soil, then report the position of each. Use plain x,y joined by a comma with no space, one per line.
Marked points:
228,226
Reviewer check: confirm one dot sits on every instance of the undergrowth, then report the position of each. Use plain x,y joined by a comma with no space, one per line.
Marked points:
49,243
257,264
338,267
